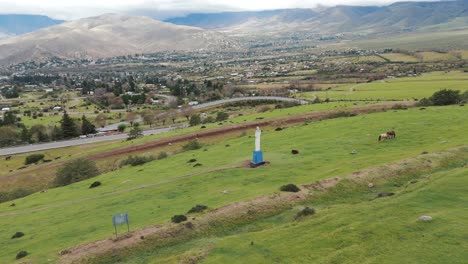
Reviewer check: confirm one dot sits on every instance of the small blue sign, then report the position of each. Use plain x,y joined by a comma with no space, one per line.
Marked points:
120,219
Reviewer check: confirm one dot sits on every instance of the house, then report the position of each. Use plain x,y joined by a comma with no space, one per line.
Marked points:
6,109
57,108
193,103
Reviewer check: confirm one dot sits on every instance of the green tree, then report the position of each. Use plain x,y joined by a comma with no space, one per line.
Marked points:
25,135
446,97
68,126
75,171
86,126
195,120
39,133
135,132
9,119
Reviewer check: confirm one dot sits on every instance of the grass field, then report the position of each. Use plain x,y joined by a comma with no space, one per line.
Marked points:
408,88
350,226
399,57
152,193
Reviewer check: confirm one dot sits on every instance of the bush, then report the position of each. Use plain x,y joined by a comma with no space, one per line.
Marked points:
192,145
14,194
195,120
446,97
342,114
162,155
221,116
178,219
136,160
122,127
290,188
75,171
264,109
399,107
192,161
305,212
21,254
424,102
17,235
33,158
197,209
95,184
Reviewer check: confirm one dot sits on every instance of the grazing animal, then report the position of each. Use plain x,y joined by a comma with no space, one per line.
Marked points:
391,134
383,137
8,158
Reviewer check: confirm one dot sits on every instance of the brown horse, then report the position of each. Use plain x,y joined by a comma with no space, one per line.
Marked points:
383,137
391,134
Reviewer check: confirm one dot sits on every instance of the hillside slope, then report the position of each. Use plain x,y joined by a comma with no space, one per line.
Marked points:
106,36
402,16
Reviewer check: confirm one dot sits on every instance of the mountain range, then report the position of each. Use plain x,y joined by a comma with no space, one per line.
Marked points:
106,36
11,25
397,17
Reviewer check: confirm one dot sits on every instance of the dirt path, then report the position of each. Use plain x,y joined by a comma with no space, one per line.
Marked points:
267,203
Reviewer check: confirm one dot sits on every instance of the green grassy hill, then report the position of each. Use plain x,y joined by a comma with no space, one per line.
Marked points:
64,217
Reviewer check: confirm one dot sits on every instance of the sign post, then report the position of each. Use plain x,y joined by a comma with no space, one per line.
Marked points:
120,219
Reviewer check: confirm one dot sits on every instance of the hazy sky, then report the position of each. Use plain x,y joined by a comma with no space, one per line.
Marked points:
73,9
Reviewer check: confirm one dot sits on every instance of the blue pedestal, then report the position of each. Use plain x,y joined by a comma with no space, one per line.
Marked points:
257,157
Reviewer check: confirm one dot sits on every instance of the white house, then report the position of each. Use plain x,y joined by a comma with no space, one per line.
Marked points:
6,109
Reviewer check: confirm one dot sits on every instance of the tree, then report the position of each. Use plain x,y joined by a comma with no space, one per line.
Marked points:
39,133
148,117
446,97
195,120
135,132
187,111
8,136
100,120
75,171
9,119
86,126
131,117
25,135
172,115
68,126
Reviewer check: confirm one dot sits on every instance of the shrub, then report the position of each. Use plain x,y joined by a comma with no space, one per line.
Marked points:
33,158
14,194
446,97
197,209
424,102
195,120
95,184
305,212
75,171
192,145
264,109
21,254
399,107
221,116
342,114
17,235
208,119
136,160
192,161
162,155
290,188
178,219
122,127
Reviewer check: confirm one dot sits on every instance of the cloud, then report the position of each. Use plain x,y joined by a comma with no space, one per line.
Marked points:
73,9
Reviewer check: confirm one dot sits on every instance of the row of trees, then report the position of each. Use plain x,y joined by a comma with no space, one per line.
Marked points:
13,132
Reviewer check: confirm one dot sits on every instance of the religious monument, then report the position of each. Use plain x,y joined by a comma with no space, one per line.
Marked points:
257,154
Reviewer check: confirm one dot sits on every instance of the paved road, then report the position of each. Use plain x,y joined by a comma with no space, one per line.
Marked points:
77,142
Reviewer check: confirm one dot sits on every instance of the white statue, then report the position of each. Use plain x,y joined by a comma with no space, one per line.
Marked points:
257,139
